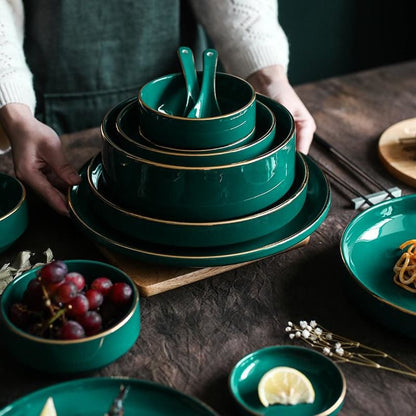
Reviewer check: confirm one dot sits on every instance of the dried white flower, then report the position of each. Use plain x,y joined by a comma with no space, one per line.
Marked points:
303,324
318,331
313,323
290,323
288,329
339,351
305,333
326,350
292,335
297,334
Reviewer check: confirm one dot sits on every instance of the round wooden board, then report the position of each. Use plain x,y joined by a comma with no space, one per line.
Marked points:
397,150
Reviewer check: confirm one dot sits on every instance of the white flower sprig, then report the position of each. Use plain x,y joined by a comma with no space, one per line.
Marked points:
342,349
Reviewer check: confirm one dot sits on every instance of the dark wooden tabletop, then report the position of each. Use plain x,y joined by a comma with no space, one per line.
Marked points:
192,336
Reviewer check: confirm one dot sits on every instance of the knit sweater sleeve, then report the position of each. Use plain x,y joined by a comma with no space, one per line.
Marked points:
246,33
15,76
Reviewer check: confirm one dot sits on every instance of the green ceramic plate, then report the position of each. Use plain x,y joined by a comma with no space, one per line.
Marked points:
312,214
195,234
327,380
369,249
94,396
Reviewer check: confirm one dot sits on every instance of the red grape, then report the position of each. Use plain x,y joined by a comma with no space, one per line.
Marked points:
65,292
19,314
92,322
77,279
53,272
102,284
120,293
77,306
95,298
72,330
33,295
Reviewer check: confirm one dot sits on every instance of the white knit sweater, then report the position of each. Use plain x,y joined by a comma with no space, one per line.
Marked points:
246,34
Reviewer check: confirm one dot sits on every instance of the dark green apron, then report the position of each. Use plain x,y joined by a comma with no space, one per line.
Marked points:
88,55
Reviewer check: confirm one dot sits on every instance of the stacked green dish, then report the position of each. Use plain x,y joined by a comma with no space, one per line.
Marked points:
235,201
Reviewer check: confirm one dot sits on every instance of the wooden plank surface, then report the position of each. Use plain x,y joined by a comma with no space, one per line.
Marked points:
152,279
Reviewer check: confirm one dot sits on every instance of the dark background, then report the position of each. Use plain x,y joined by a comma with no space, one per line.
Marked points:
335,37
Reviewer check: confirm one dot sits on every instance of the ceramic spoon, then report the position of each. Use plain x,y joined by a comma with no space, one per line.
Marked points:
207,104
186,59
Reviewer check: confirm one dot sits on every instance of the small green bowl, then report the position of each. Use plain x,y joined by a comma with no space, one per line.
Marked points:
212,193
326,377
369,249
13,210
253,145
162,101
72,356
197,234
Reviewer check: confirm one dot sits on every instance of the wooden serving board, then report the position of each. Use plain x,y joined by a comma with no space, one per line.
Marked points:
152,279
397,150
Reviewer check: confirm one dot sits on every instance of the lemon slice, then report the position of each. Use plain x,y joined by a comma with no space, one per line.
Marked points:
48,408
285,385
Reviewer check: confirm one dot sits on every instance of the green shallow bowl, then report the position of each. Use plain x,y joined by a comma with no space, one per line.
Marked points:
190,234
94,396
326,377
161,105
73,356
248,148
369,250
211,193
13,210
311,215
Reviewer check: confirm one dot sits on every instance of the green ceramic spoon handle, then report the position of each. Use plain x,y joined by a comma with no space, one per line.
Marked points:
207,104
187,61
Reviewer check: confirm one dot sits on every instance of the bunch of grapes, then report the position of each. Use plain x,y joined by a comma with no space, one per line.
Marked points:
58,304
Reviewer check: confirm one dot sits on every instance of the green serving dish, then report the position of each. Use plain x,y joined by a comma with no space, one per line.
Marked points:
369,249
202,234
13,210
326,377
310,217
94,396
72,356
162,101
251,147
212,193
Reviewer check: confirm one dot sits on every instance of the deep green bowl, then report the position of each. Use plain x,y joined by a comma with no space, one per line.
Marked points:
197,234
252,146
211,193
13,210
161,105
326,377
73,356
369,250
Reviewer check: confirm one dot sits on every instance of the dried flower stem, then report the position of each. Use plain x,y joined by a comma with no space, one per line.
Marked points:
342,349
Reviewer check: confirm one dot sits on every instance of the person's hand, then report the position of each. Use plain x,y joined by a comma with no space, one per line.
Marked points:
39,161
272,81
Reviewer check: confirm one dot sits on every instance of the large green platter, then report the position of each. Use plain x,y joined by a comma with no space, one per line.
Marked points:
94,396
312,214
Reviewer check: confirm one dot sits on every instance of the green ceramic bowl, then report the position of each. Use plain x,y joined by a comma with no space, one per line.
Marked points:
369,249
212,193
197,234
326,377
161,105
73,356
251,147
13,210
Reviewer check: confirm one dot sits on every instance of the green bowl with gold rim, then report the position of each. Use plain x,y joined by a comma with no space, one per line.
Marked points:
162,102
70,356
13,210
370,249
326,377
249,147
206,193
196,234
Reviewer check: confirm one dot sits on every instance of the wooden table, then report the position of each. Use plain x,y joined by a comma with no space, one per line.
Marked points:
192,336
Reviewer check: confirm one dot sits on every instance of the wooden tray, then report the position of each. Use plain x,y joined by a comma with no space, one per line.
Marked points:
397,150
152,279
